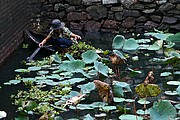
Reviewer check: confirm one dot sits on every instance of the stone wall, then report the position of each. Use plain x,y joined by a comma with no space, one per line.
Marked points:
118,16
13,20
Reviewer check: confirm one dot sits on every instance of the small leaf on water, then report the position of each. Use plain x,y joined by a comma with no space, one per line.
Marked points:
142,112
130,117
173,83
116,99
118,42
34,68
143,101
171,93
164,74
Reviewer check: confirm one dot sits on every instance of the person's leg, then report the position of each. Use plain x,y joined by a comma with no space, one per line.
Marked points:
64,44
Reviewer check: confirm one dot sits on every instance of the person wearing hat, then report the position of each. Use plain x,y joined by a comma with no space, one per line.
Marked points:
60,36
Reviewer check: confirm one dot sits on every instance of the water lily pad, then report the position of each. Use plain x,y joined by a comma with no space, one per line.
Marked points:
130,44
118,100
22,70
165,74
129,100
175,39
118,42
130,117
108,108
55,76
12,82
150,90
89,56
28,79
72,81
143,101
171,93
40,77
42,72
173,83
159,108
142,112
177,72
34,68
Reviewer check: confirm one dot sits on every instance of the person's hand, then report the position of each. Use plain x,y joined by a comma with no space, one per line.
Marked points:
77,37
41,44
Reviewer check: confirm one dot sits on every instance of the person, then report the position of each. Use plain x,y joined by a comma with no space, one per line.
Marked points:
60,36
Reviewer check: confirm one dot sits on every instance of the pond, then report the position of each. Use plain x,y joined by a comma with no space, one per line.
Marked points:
134,72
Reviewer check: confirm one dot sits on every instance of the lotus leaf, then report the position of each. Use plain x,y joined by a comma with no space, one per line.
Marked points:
118,42
143,101
177,106
76,65
130,44
142,112
89,56
171,92
34,68
70,57
164,74
162,110
178,90
56,58
175,39
88,117
119,87
101,68
12,82
22,70
155,46
130,117
119,54
87,88
173,83
117,99
150,90
160,36
143,40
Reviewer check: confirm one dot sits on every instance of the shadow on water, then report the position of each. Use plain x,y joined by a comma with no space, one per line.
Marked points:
98,40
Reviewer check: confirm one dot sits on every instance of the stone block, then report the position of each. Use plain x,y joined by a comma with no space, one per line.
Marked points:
90,2
129,22
92,26
109,1
170,20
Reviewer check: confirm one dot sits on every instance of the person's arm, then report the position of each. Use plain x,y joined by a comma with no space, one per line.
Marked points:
44,41
70,34
76,37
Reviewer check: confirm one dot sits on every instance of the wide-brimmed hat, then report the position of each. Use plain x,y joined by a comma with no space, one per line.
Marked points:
57,24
